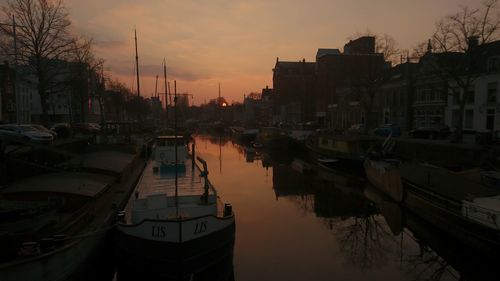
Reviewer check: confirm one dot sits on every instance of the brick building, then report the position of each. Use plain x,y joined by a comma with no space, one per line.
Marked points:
343,81
293,86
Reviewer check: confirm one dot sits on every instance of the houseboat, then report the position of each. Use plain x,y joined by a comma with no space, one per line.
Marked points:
175,219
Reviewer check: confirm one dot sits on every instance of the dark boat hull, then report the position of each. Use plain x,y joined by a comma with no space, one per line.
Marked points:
170,260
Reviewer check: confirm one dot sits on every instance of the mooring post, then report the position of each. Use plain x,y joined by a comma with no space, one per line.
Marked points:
193,155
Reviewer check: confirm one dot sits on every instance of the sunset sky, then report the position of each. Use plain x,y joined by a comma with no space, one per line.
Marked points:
236,42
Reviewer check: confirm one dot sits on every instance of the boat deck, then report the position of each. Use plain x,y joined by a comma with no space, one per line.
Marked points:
445,183
162,181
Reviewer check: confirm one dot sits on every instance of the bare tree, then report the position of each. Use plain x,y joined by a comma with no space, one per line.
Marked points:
458,40
86,67
384,44
43,41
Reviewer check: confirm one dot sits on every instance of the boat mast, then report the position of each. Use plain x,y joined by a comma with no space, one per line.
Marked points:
165,81
219,105
175,143
137,64
156,88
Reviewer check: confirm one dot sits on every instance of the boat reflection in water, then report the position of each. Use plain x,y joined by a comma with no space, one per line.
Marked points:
374,231
299,222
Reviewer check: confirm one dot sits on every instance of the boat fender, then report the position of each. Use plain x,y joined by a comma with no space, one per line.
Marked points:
228,209
120,217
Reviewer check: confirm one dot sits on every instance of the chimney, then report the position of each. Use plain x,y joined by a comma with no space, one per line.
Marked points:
277,59
429,47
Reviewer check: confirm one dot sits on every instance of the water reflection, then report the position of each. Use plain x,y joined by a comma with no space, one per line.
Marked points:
308,223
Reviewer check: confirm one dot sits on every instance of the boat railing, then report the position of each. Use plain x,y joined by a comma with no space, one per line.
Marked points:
489,215
204,174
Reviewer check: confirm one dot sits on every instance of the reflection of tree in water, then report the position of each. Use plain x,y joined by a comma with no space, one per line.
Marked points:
365,240
428,265
304,202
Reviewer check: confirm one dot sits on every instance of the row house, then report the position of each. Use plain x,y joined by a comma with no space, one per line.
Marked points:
415,95
482,109
397,96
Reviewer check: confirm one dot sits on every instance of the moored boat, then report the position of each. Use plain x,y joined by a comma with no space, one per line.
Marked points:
464,208
80,212
385,176
174,220
273,138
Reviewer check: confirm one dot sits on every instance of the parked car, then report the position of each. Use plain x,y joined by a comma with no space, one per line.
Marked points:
86,128
63,130
26,133
435,131
387,129
42,128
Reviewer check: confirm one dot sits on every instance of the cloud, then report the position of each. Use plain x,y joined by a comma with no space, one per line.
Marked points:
215,40
109,44
151,70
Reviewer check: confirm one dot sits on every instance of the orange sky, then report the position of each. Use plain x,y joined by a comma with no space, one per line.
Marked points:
236,42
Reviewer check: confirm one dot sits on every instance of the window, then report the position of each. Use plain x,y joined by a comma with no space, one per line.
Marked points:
443,94
435,95
494,64
469,117
490,119
492,92
454,118
470,97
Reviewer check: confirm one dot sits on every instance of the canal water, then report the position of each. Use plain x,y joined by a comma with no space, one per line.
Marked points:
295,221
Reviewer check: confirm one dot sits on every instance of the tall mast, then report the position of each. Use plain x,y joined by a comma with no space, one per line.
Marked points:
156,88
175,143
165,80
137,64
218,103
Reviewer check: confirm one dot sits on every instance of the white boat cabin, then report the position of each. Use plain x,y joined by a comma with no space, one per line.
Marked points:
165,148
